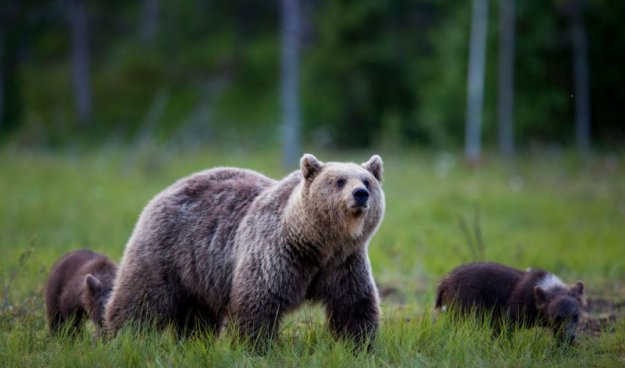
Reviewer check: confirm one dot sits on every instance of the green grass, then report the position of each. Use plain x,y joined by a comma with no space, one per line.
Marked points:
554,211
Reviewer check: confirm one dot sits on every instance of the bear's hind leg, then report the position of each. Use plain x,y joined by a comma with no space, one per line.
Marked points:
70,320
142,299
55,321
194,318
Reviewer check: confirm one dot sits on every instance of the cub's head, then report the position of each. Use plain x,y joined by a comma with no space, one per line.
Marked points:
346,197
561,306
95,295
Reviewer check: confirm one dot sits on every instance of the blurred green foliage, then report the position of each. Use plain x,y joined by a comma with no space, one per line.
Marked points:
373,72
555,211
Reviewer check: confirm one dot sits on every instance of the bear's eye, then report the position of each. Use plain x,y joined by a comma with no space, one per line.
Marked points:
340,183
366,183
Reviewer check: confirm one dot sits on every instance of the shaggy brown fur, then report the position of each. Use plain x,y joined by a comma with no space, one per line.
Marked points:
79,285
526,298
233,244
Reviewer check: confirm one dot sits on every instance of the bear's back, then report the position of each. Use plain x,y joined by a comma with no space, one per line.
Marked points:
522,304
196,218
202,205
64,271
482,284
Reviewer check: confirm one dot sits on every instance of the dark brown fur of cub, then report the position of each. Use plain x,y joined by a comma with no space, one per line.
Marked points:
79,285
526,298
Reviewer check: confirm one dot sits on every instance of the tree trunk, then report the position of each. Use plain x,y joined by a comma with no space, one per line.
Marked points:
290,82
11,35
506,77
475,80
80,60
2,67
150,21
579,42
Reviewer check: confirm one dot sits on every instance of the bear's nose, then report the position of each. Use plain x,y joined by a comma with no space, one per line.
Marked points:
361,196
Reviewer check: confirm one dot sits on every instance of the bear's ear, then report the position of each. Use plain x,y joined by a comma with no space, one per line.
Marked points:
578,288
540,295
310,166
374,166
93,284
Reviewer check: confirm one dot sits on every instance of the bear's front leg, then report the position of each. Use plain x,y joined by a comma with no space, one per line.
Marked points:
257,317
263,290
351,299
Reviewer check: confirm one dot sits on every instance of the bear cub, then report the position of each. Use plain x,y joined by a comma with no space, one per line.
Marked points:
524,298
79,285
231,244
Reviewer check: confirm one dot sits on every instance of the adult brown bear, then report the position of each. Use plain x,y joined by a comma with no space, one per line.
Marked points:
230,243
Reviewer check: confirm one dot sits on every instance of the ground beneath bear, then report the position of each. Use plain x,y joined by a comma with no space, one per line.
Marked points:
601,316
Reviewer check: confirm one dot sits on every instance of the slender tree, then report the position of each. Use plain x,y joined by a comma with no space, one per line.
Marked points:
79,25
579,42
150,21
11,33
475,80
506,77
291,25
2,52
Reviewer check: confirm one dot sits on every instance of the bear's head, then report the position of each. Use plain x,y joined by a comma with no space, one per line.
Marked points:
95,295
561,308
345,198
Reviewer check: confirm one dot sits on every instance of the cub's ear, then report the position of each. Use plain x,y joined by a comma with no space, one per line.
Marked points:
310,166
374,166
93,284
540,295
578,288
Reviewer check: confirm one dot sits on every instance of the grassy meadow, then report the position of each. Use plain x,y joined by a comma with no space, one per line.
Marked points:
550,210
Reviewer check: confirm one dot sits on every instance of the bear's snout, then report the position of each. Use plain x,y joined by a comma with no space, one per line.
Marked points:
566,332
361,196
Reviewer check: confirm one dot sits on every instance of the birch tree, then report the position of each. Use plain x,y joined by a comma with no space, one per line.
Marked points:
579,42
506,77
150,21
79,25
10,32
2,67
289,86
475,80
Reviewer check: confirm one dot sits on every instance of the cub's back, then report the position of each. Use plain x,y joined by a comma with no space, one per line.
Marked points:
482,284
63,271
63,292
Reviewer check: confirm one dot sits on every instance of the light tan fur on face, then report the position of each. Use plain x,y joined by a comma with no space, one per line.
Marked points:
336,205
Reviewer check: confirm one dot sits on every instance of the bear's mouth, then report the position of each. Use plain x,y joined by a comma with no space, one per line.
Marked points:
358,209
